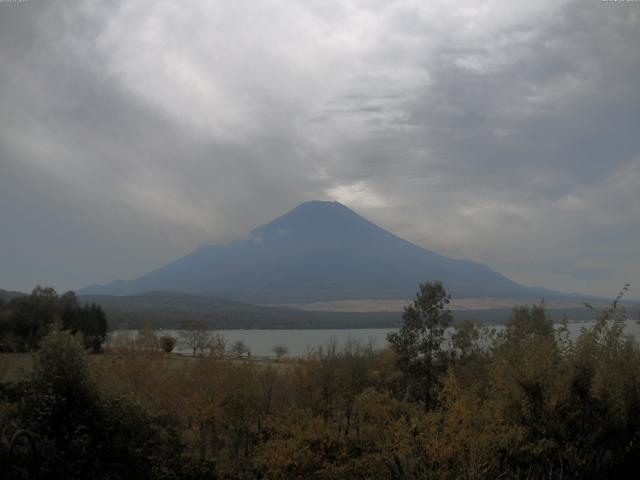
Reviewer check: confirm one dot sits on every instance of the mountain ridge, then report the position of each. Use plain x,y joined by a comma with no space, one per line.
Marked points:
7,295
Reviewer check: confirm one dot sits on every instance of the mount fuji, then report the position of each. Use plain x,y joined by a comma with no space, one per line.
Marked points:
320,251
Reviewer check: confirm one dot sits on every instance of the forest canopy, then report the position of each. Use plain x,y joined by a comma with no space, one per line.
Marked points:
25,320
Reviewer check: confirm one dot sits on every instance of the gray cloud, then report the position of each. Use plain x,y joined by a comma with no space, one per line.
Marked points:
131,134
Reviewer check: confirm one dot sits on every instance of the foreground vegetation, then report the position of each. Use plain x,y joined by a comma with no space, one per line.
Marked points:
525,403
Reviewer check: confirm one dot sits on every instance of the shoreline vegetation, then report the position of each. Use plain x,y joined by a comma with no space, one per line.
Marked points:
526,401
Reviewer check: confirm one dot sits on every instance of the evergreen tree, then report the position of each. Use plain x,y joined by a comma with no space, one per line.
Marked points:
418,344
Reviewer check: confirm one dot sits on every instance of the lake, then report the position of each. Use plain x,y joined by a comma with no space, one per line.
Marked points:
299,342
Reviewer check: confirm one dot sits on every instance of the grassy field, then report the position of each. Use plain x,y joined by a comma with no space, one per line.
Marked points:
16,366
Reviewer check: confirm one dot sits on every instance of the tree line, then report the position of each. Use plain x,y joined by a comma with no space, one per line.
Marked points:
25,320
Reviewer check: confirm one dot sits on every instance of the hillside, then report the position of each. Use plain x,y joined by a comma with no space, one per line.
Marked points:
171,309
6,295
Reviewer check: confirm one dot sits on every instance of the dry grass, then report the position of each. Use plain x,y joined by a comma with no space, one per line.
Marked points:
15,366
390,305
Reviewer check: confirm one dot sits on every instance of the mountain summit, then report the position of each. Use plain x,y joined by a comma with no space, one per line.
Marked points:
319,251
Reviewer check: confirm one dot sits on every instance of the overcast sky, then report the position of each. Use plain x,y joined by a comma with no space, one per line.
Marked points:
504,132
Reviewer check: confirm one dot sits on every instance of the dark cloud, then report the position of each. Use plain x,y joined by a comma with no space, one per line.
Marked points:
131,134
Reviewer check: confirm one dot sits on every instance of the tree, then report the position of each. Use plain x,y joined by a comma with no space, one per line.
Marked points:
526,323
84,432
196,336
280,351
217,346
30,317
239,348
59,398
33,315
93,326
418,344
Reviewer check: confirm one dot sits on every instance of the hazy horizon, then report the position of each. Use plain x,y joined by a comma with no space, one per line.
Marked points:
507,134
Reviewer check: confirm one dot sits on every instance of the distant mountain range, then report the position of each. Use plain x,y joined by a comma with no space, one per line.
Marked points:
320,251
6,295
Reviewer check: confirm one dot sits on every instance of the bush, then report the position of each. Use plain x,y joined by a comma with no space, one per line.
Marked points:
83,434
167,344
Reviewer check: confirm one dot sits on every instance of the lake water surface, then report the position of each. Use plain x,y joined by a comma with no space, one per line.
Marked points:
299,342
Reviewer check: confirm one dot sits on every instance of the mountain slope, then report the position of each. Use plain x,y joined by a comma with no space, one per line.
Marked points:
319,251
7,295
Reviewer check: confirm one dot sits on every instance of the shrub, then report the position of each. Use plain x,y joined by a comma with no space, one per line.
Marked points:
83,434
167,343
